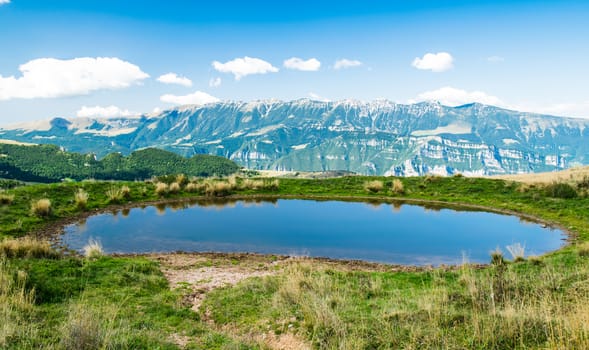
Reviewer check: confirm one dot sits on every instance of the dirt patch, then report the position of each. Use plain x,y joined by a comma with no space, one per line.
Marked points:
285,341
200,274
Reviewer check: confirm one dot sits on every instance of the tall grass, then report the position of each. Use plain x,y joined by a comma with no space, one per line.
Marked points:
161,189
16,306
175,187
26,247
41,207
374,186
398,187
6,198
517,251
81,198
115,194
93,249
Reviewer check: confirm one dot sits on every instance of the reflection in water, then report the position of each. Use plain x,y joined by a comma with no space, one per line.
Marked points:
336,229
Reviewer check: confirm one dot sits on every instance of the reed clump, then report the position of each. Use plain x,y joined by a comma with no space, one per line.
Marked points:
81,198
374,186
398,187
41,207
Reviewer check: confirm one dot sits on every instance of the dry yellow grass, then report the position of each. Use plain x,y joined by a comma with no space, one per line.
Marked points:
6,198
81,198
161,189
398,186
41,207
571,175
26,247
374,186
175,187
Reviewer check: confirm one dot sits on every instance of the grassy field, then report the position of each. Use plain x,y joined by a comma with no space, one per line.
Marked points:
56,300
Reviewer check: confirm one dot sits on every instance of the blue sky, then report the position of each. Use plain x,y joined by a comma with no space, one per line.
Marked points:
108,58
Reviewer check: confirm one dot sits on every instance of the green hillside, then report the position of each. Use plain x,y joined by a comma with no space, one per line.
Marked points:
48,163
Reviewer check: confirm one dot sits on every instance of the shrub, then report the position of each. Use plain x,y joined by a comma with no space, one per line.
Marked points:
161,189
41,207
560,190
374,186
398,187
93,249
174,187
81,198
114,194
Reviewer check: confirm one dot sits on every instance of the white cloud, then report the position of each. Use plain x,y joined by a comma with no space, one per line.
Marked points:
241,67
495,59
50,77
317,97
2,2
196,98
450,96
103,112
346,63
215,82
436,62
296,63
173,78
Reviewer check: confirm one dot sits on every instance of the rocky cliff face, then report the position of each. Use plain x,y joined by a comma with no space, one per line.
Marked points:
378,137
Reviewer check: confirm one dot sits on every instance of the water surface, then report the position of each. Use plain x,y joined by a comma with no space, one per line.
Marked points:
390,233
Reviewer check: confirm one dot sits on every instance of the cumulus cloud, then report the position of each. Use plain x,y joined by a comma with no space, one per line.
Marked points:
296,63
103,112
450,96
241,67
196,98
2,2
436,62
50,77
173,78
346,63
215,82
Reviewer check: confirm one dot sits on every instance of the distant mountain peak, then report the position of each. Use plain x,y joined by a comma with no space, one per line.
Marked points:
377,137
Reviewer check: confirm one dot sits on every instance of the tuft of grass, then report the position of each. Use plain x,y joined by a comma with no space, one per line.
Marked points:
93,249
81,198
41,207
497,257
517,251
583,249
181,179
560,190
174,187
250,184
16,307
192,187
26,247
125,192
114,194
161,189
6,198
218,188
398,187
374,186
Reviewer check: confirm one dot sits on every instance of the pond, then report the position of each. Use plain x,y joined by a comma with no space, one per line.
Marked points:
387,232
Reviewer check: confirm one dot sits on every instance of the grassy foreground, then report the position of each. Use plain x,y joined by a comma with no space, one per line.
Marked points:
50,300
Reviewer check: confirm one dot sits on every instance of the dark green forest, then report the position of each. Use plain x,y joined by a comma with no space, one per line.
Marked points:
48,163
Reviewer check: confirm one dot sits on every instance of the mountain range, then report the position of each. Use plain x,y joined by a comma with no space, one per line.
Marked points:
378,138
